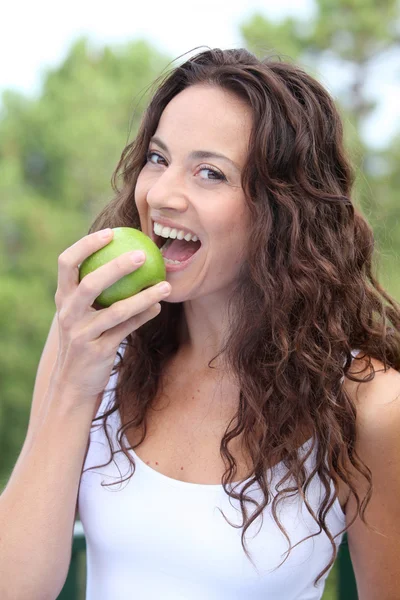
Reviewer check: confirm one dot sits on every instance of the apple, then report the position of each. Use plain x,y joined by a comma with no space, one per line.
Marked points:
126,239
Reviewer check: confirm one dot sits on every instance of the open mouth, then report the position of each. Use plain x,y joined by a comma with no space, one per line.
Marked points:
176,250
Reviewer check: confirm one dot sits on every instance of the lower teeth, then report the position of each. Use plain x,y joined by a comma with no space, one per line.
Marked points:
172,262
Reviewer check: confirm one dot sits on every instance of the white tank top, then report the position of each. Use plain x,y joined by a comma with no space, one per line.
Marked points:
155,537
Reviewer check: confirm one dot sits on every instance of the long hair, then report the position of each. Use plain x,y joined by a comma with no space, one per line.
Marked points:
305,296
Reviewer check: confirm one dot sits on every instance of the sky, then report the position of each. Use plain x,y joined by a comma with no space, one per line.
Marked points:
36,35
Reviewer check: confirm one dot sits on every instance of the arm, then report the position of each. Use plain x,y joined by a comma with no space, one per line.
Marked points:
41,466
45,368
375,557
37,507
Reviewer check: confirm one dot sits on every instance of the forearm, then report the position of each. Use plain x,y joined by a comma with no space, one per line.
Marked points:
37,507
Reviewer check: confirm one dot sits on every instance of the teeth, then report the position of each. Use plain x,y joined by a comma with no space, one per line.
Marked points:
168,232
172,262
165,232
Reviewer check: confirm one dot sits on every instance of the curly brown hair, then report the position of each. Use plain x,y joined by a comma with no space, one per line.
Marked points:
308,273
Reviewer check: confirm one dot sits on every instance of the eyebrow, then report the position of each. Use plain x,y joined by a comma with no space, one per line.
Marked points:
198,154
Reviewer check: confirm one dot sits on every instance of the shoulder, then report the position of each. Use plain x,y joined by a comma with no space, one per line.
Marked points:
365,394
375,554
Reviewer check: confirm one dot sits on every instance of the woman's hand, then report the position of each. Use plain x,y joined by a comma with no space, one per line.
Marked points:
89,338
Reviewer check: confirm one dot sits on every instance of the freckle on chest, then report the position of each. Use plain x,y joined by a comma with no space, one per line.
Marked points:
190,431
148,462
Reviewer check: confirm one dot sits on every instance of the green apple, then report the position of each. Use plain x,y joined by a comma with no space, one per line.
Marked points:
126,239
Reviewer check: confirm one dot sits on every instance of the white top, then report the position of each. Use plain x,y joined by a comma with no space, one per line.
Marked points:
155,537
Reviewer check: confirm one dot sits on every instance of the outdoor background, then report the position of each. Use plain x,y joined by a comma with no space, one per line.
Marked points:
65,121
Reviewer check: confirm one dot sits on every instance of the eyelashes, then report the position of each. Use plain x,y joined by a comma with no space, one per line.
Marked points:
217,175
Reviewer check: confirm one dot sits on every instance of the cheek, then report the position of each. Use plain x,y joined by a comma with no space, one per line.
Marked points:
230,250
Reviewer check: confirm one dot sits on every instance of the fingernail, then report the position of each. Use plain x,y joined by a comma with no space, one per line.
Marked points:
105,233
137,256
164,286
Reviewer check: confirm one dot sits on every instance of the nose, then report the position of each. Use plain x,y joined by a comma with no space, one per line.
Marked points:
168,191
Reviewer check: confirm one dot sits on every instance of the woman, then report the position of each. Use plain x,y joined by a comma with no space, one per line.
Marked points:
236,404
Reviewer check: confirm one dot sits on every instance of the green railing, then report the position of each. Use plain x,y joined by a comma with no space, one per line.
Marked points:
347,589
70,590
346,585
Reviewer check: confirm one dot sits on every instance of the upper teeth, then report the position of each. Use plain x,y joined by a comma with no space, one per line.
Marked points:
169,232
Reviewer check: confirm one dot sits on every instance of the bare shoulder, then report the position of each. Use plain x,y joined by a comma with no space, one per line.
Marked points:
375,554
367,393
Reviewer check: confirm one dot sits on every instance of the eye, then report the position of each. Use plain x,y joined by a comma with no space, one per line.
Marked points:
153,157
213,174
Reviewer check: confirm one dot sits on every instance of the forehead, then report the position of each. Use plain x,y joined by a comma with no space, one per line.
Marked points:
206,118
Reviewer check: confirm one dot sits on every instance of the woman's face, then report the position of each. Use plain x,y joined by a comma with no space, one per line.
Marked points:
192,181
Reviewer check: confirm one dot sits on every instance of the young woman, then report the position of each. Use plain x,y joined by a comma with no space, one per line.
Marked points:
253,410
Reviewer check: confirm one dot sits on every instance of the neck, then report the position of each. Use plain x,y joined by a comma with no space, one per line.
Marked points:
203,332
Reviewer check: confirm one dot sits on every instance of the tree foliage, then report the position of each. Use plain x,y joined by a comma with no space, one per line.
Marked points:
349,37
57,155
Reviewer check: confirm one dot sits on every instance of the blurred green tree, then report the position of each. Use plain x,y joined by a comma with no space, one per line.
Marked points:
57,155
349,37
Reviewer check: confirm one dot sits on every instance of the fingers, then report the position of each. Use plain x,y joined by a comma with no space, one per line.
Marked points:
130,308
72,257
77,317
95,282
89,337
